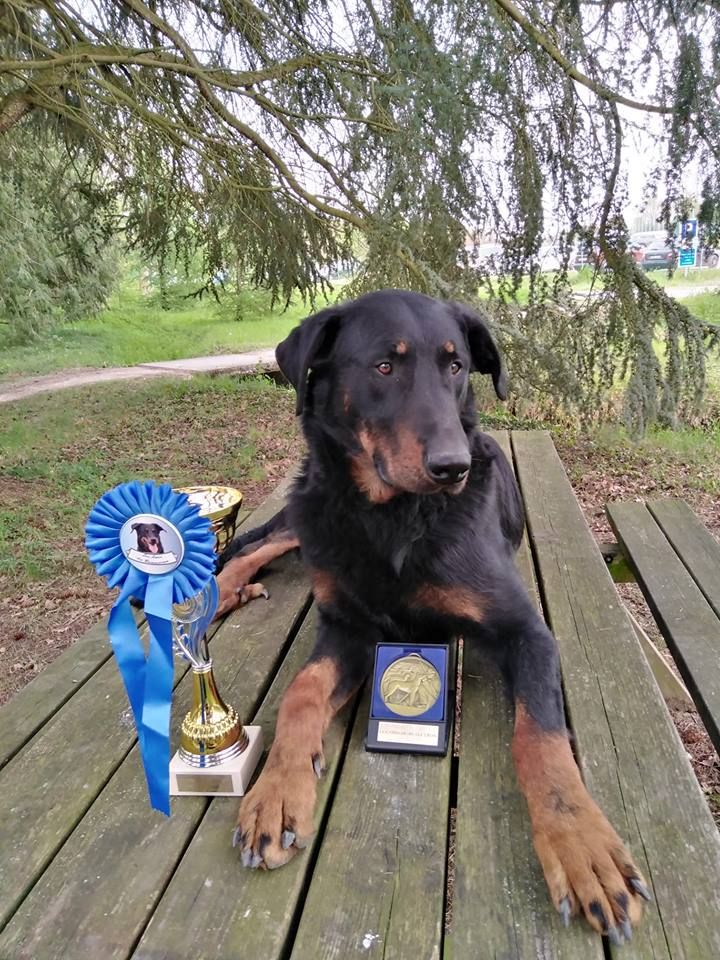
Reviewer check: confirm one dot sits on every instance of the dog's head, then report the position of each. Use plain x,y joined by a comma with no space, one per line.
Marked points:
148,537
386,376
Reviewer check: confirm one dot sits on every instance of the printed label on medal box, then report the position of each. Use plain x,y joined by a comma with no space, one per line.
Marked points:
414,734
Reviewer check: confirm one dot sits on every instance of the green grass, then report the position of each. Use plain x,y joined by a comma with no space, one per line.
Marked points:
583,278
695,278
135,329
704,306
60,452
586,279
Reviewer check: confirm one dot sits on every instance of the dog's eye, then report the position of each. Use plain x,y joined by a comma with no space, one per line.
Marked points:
455,366
384,368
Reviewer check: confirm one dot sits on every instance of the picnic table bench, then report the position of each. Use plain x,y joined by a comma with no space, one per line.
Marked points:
87,870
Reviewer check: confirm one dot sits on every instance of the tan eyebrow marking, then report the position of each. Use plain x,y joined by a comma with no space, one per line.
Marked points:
401,347
449,346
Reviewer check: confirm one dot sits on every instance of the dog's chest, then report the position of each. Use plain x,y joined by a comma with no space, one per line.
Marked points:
387,556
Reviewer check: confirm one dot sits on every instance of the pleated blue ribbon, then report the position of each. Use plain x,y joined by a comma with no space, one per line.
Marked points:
120,527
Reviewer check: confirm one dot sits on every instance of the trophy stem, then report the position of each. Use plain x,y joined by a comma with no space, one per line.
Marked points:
211,732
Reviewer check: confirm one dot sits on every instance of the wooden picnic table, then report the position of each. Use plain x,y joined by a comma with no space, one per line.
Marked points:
89,872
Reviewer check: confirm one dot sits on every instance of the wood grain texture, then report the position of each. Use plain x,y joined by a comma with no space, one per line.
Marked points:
688,623
23,715
106,879
693,543
501,906
630,754
379,884
214,907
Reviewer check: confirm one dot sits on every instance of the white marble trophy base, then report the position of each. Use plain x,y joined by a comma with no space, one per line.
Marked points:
228,779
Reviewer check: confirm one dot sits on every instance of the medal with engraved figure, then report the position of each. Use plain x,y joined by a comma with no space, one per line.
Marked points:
410,685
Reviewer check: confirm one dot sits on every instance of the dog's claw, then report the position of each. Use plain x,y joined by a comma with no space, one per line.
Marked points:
264,593
250,859
564,910
236,835
287,839
626,929
318,766
246,857
615,937
640,888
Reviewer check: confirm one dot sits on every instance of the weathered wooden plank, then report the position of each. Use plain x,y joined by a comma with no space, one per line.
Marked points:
215,907
49,785
95,897
686,620
23,715
630,754
501,907
379,884
694,544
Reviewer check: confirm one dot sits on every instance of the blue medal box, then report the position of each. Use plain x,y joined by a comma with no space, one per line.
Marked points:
412,698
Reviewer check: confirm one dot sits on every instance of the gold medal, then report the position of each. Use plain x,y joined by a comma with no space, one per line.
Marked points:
410,685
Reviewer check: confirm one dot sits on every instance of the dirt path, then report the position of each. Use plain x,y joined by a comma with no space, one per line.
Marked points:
250,362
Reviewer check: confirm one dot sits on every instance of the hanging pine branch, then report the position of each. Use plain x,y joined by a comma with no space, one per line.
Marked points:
267,137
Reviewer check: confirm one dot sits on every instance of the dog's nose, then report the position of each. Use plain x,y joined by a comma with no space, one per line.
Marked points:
449,468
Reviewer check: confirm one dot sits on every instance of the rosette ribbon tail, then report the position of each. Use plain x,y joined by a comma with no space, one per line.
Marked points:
127,646
155,725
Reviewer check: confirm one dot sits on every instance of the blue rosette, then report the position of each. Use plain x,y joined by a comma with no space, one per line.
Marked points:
151,543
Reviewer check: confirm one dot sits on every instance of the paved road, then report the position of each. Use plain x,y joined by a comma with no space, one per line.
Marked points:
251,362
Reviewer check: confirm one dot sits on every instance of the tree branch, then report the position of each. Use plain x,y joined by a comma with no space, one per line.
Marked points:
605,93
89,55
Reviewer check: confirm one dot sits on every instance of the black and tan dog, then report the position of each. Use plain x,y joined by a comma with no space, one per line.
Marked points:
148,537
408,519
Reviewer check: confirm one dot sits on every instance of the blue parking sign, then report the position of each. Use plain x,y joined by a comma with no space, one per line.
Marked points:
688,231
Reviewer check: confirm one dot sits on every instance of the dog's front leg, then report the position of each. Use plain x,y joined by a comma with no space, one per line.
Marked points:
585,863
234,580
276,816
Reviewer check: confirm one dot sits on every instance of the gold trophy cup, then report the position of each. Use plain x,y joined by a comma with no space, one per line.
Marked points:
217,755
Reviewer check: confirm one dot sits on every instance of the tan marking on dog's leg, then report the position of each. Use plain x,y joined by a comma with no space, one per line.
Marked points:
238,572
584,861
324,586
276,817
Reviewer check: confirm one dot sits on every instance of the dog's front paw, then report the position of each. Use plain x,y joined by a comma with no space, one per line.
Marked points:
276,817
587,867
234,590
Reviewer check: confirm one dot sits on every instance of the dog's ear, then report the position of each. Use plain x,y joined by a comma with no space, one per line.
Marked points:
483,350
305,347
135,526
